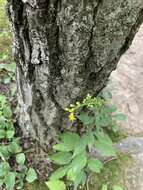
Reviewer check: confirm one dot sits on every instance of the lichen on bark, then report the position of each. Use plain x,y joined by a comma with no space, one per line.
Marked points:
64,50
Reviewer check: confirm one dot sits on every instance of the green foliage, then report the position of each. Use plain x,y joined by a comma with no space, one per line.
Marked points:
95,165
61,158
104,187
20,158
31,175
115,187
11,176
72,153
56,185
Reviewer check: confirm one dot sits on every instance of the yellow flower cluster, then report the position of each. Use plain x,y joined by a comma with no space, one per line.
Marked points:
89,102
72,116
72,108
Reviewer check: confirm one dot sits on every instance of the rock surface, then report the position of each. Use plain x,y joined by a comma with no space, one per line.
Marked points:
127,87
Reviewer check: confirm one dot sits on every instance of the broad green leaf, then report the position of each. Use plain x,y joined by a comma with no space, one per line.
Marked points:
104,187
95,165
20,158
72,174
14,148
89,139
62,147
104,145
80,179
104,137
80,146
106,94
79,161
31,175
2,133
56,185
105,149
4,168
116,187
110,108
7,112
61,158
9,134
102,119
10,181
69,140
4,152
86,119
59,173
119,117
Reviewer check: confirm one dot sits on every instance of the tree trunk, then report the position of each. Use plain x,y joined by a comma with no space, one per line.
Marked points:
64,50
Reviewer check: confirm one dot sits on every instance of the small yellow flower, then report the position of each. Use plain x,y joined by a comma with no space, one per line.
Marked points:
72,117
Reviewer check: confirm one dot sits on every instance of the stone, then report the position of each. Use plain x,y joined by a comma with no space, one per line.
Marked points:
127,87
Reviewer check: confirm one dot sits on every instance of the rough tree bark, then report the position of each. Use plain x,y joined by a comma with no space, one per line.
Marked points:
65,49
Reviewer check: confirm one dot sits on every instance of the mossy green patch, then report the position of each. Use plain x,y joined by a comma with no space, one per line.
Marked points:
36,186
112,173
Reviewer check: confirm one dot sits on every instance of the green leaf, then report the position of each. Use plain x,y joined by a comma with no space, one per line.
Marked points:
119,117
62,147
61,158
69,140
116,187
72,174
56,185
7,112
79,161
14,148
59,173
104,187
115,128
80,146
31,175
102,119
89,139
2,133
4,152
80,179
104,145
4,168
20,158
95,165
9,134
110,108
10,181
106,94
86,119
